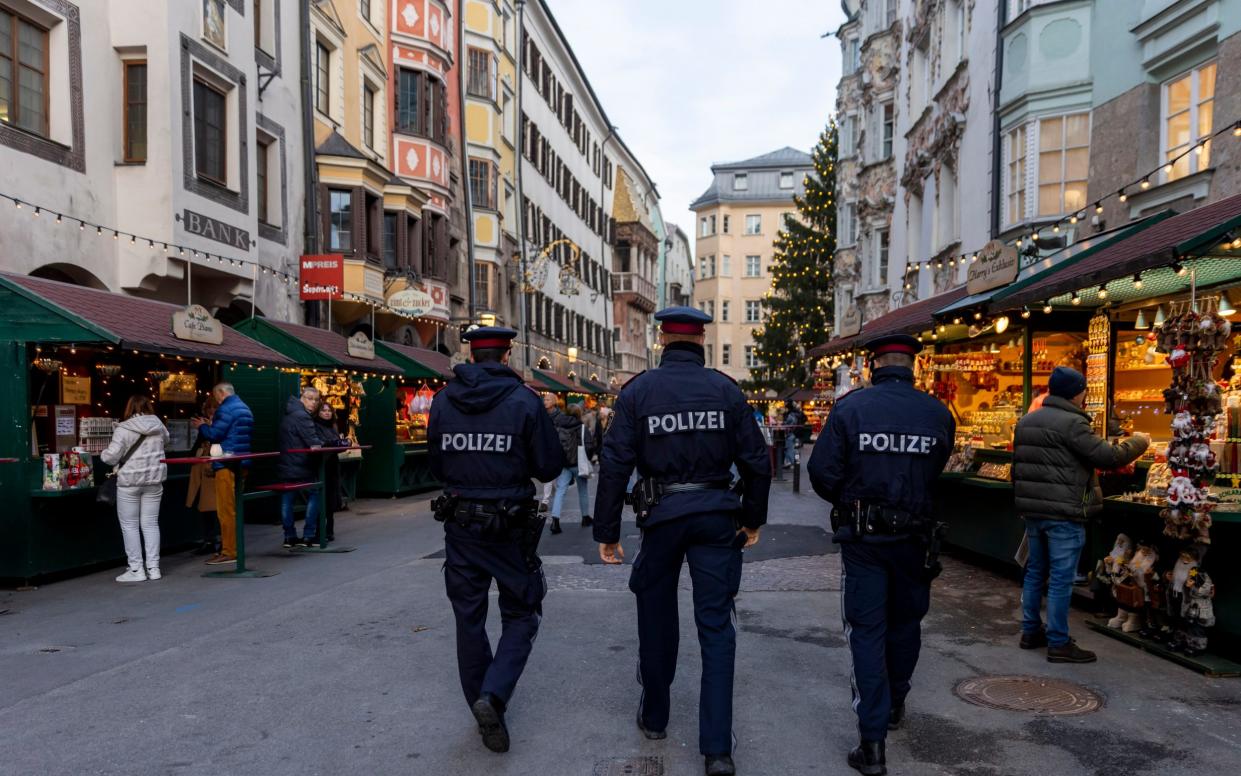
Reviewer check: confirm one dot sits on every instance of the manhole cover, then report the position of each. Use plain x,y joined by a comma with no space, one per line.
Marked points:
630,766
1037,694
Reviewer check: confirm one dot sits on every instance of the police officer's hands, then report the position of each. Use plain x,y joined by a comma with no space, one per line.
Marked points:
612,554
751,536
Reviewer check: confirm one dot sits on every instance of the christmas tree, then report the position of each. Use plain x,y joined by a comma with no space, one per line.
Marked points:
798,305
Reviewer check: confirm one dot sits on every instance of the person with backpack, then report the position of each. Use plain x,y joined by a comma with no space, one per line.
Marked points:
573,436
136,452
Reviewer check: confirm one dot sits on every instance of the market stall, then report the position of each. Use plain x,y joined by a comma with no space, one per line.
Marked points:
73,357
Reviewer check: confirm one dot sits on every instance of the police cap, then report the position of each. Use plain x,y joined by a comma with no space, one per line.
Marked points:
484,337
894,343
682,320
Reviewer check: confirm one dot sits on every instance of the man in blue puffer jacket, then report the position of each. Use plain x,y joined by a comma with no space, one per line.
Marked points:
230,428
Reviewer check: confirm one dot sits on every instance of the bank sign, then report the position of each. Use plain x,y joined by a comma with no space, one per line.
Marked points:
321,277
996,267
213,229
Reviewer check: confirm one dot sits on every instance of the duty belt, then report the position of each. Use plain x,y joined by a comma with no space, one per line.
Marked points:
686,487
880,519
476,510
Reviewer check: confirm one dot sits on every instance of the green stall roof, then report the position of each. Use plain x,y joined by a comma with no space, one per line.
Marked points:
313,348
556,383
416,363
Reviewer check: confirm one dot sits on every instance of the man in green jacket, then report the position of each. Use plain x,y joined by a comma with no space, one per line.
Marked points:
1055,455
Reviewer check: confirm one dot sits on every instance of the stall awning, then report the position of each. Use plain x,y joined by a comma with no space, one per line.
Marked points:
912,318
598,388
835,346
38,310
798,395
419,363
1153,248
557,383
313,348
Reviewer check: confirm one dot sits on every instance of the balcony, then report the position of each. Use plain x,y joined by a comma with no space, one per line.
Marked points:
632,288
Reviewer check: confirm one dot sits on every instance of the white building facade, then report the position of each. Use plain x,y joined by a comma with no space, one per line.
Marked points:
194,139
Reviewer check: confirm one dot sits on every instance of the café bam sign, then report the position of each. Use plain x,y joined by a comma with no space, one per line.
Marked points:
996,267
195,324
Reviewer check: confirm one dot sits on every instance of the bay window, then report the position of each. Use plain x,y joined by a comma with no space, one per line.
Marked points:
1188,118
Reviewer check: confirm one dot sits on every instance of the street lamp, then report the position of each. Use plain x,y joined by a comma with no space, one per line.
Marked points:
572,354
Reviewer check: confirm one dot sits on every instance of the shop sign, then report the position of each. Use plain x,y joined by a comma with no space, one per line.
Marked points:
179,389
373,283
996,267
851,322
439,299
195,324
213,229
322,277
413,301
74,390
360,346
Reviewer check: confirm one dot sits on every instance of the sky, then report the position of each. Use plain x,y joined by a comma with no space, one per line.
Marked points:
690,83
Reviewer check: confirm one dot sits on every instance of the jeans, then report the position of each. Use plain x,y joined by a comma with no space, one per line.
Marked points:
137,508
790,447
1055,546
311,528
562,484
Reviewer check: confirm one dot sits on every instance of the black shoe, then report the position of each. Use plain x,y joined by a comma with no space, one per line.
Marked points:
896,716
290,542
869,758
331,538
491,723
586,521
720,765
1035,640
309,541
1070,653
556,525
653,735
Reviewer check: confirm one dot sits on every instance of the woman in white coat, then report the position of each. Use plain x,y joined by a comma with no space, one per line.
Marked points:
139,485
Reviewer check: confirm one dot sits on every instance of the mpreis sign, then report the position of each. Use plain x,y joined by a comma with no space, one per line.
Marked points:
322,277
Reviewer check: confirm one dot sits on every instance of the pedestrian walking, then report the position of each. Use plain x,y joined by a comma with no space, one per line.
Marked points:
136,452
551,404
683,426
790,434
877,462
200,493
298,431
578,447
330,436
1056,490
487,438
230,427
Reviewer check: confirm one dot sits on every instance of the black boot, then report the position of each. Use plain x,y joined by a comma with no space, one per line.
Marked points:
720,765
653,735
1069,653
491,723
586,521
896,716
869,758
556,525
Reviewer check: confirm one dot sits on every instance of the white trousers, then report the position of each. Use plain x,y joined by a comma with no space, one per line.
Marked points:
137,507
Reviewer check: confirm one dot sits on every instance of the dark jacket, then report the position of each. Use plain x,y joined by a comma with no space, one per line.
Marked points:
230,428
329,435
885,445
488,434
682,423
569,431
1055,455
298,430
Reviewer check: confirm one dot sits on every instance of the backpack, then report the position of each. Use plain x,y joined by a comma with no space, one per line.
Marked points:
568,444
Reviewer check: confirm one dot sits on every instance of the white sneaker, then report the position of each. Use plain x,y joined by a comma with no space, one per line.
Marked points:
153,573
133,575
1118,620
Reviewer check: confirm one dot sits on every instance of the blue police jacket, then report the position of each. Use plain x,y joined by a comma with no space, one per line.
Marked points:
682,423
884,445
231,427
488,435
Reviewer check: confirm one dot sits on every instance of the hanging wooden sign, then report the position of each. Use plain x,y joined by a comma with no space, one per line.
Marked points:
996,267
195,324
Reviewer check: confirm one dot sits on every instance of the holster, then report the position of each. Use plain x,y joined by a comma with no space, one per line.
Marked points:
526,524
644,498
444,507
932,567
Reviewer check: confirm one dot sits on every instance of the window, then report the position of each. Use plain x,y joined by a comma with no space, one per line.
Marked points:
702,227
482,284
210,137
421,106
751,357
1063,163
323,59
888,122
366,9
753,311
261,160
481,81
135,111
848,224
889,13
726,355
726,220
1188,107
962,28
852,55
712,220
754,224
483,184
726,266
23,73
368,115
389,247
340,220
710,355
508,127
724,311
753,266
786,180
711,307
947,223
1015,175
213,22
881,258
846,135
741,181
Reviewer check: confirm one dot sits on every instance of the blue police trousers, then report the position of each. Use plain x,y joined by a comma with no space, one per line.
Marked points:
884,596
473,558
711,544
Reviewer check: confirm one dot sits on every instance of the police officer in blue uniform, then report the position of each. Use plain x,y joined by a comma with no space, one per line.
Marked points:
876,462
684,426
488,436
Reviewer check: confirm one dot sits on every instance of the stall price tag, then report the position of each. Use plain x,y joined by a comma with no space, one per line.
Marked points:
74,390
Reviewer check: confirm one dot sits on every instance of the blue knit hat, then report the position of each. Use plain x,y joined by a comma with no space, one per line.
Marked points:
1065,382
